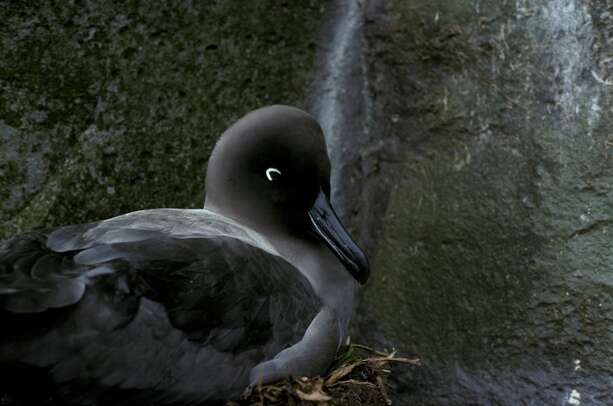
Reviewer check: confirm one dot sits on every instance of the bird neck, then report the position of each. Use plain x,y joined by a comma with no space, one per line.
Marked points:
332,283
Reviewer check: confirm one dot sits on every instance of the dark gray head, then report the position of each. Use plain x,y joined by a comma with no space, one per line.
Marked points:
271,172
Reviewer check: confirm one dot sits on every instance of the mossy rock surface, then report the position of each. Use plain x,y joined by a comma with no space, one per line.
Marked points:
492,173
112,106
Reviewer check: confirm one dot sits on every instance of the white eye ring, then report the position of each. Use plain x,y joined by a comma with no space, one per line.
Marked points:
270,171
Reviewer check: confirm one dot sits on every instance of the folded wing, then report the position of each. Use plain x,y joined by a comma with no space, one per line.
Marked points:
151,303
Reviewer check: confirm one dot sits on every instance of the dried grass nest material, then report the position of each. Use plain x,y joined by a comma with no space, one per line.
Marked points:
356,378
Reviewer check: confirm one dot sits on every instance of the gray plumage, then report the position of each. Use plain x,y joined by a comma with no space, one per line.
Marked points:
176,306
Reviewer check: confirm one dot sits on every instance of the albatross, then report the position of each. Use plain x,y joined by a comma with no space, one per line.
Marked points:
176,306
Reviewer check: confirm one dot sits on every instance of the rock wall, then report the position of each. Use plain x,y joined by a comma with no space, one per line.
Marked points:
113,106
493,173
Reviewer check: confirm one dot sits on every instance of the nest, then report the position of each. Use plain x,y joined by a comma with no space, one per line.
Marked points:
357,377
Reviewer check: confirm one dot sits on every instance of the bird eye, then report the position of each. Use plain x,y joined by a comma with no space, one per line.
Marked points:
273,174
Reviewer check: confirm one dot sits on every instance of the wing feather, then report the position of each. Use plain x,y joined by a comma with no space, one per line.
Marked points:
130,304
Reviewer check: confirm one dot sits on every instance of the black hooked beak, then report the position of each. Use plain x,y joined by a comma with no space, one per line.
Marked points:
328,227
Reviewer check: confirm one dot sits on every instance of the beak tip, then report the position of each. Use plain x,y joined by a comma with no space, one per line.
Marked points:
363,271
329,228
357,264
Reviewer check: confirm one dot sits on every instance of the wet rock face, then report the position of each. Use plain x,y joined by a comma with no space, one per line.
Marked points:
113,106
495,159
